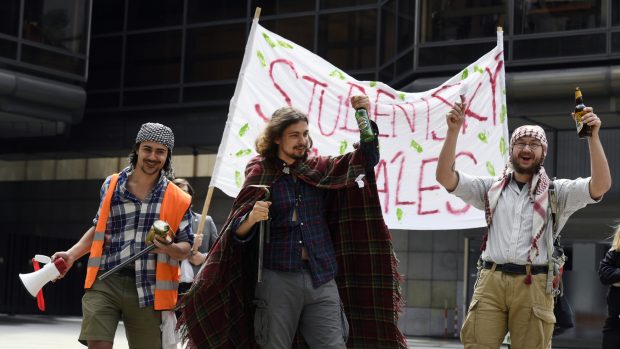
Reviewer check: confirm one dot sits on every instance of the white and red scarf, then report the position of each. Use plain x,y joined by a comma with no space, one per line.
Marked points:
537,191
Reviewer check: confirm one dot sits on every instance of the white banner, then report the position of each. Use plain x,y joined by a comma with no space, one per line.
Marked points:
277,72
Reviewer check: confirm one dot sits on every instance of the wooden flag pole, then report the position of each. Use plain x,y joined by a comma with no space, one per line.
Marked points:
257,13
205,210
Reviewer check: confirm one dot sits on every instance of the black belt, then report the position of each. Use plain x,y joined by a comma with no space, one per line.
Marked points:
510,268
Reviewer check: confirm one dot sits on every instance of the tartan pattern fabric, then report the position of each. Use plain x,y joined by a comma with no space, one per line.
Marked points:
126,229
218,312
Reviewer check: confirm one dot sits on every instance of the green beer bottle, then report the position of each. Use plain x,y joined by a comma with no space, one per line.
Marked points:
363,122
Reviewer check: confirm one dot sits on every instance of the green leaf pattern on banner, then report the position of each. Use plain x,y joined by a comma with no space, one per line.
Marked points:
502,114
490,168
269,41
261,58
337,73
415,145
483,137
238,179
464,74
243,130
502,146
373,84
399,214
243,152
343,147
284,44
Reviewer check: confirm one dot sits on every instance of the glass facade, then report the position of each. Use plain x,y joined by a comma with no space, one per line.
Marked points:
192,50
541,16
461,19
49,36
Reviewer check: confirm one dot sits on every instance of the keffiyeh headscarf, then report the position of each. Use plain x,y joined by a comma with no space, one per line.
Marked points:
538,190
155,132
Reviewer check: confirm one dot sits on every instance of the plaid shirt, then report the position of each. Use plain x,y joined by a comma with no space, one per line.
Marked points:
287,237
126,229
310,230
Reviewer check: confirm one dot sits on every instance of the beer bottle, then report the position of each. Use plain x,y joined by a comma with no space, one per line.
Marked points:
363,122
583,130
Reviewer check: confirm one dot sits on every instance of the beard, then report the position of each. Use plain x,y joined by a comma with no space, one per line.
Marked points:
530,170
298,153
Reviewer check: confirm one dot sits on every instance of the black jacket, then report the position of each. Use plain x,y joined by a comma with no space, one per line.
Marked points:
609,273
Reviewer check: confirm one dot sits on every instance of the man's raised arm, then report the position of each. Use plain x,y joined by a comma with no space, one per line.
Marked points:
445,174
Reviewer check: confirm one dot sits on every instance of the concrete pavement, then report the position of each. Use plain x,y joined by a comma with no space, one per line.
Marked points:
49,332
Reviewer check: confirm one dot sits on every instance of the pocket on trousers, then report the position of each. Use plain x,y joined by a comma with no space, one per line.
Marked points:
545,315
468,330
344,323
261,322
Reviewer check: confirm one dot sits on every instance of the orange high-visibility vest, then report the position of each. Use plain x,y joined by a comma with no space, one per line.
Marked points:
173,207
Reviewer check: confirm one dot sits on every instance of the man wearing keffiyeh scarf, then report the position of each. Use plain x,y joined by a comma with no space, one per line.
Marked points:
345,256
514,289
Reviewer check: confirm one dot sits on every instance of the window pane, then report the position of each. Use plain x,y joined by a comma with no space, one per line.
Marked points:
8,49
102,100
153,58
406,24
108,16
347,40
275,7
550,16
105,63
299,30
405,64
615,13
154,13
203,11
454,54
58,23
214,53
461,19
151,97
387,74
576,45
9,17
344,3
208,93
388,31
615,42
53,60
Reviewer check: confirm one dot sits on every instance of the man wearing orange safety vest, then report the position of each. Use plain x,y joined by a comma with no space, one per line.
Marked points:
129,204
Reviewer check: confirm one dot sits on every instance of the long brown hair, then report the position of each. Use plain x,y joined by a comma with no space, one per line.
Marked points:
280,120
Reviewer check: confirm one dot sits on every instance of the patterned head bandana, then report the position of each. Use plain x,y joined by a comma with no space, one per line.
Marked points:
154,132
533,131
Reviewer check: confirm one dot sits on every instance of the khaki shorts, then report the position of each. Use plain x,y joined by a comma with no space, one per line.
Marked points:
114,299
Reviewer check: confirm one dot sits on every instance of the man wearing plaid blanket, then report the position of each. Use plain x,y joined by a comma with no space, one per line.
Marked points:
519,271
327,253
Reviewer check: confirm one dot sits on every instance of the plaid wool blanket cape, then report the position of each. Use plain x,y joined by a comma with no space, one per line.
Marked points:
218,311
